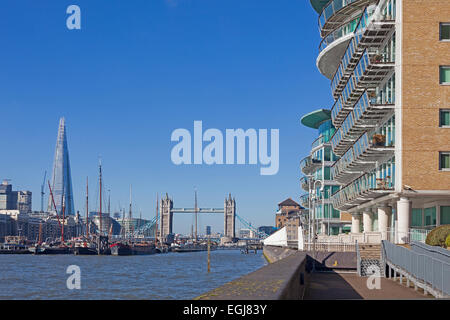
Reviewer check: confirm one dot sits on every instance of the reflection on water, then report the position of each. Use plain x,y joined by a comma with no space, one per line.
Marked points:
162,276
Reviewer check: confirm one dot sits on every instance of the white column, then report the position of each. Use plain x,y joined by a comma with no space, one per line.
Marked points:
404,208
356,222
323,228
367,221
384,216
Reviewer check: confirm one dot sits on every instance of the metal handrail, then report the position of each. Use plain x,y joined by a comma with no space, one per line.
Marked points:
424,270
358,258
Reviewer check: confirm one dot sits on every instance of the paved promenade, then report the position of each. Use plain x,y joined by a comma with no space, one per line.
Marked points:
332,286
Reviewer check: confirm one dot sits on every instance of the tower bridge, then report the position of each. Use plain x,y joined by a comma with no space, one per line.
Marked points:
166,211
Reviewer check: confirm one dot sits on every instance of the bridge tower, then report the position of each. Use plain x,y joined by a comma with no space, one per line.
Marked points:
229,217
166,217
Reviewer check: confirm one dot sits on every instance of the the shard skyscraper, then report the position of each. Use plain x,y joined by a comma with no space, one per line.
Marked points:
61,182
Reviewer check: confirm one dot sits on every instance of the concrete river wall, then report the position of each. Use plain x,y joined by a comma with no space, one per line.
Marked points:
285,277
280,280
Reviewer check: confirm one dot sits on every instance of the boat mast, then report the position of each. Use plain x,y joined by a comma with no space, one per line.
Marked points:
54,205
195,212
87,207
100,211
63,219
130,215
156,225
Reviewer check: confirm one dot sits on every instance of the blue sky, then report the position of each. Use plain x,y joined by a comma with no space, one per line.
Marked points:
136,71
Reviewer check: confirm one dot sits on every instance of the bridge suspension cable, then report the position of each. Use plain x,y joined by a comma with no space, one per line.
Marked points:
249,226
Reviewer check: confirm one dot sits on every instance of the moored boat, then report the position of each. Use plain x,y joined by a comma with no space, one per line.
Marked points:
120,249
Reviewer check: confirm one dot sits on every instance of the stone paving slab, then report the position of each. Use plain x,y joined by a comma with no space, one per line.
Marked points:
334,286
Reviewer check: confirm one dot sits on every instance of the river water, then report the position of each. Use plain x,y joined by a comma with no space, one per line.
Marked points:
160,276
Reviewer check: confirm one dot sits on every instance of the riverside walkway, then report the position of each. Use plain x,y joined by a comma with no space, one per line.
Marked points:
334,286
290,278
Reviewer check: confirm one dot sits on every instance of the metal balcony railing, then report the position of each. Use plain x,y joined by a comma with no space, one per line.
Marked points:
304,200
363,189
308,164
304,182
337,34
319,142
370,71
362,155
370,31
367,113
336,12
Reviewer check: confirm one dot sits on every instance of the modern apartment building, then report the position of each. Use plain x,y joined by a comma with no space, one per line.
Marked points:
317,181
388,62
14,200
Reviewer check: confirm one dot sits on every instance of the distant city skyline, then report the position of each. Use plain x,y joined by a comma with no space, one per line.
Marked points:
134,73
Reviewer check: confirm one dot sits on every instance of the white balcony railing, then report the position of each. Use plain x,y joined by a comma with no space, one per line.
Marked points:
370,31
337,11
365,188
370,71
367,113
363,155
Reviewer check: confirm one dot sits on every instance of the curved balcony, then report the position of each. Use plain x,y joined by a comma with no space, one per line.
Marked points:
330,56
304,200
363,189
337,12
319,142
370,31
309,165
370,71
304,183
362,156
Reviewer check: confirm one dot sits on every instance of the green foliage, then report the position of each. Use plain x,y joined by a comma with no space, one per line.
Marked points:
438,236
447,242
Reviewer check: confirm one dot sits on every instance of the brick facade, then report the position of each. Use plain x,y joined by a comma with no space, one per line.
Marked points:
422,95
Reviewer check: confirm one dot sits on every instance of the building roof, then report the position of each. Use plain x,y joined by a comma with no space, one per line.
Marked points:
289,202
315,118
318,5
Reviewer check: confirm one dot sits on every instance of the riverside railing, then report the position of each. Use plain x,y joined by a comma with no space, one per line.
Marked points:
413,234
329,247
425,271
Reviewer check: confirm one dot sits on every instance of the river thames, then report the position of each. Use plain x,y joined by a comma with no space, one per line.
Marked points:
155,277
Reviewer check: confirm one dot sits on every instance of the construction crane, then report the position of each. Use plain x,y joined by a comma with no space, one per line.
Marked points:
42,191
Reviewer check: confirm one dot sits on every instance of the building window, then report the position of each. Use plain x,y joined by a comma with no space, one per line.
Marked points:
444,161
444,75
430,216
444,32
416,220
444,118
445,215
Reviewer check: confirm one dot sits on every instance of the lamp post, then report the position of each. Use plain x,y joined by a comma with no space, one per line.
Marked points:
314,197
